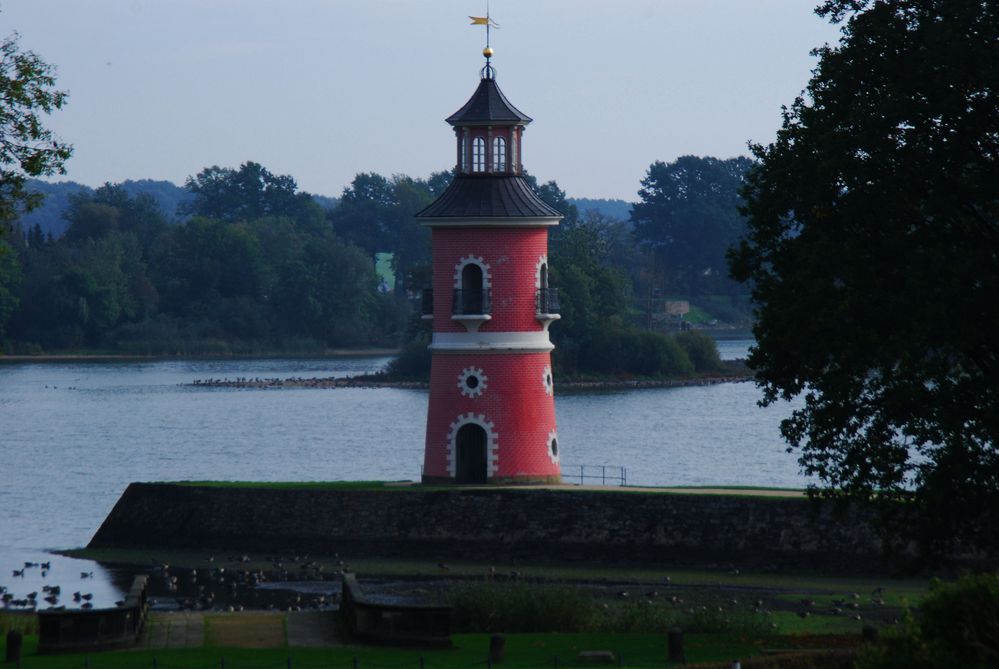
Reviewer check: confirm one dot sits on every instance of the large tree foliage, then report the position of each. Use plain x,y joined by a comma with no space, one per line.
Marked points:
687,219
377,214
252,191
123,278
873,255
27,147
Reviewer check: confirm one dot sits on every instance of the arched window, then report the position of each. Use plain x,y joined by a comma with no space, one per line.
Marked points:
472,289
499,155
478,155
543,276
464,154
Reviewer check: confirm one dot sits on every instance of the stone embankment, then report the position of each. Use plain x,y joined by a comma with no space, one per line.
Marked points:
381,382
561,525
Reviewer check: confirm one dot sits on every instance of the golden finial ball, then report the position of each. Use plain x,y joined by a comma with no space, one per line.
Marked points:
488,52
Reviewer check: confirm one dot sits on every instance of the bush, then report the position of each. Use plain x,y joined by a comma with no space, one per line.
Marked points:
958,627
701,349
636,352
503,607
412,364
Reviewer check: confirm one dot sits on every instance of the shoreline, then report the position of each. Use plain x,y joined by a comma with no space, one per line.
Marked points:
126,357
327,383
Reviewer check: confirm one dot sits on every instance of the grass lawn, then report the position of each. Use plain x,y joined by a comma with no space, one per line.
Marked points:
522,650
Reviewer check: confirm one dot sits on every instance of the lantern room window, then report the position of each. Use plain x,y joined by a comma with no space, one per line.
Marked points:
478,155
499,155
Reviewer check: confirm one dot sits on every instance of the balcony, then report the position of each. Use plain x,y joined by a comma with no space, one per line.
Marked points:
546,306
471,308
471,302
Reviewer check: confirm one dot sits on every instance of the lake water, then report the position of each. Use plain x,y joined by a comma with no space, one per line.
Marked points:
73,435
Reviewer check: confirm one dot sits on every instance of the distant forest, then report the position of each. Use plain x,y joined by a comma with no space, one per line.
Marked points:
51,215
239,260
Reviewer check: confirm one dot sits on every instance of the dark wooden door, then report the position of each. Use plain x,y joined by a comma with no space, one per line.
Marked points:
471,447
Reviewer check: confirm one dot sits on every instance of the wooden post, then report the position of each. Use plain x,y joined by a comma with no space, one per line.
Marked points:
497,649
675,645
15,641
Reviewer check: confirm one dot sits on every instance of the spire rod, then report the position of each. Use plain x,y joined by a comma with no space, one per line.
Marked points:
487,21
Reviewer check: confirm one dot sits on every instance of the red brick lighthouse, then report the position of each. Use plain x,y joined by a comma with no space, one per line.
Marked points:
492,408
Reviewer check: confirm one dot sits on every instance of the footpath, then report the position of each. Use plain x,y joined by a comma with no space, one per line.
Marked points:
252,629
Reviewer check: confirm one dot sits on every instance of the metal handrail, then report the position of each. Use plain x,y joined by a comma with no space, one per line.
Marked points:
604,473
472,302
546,301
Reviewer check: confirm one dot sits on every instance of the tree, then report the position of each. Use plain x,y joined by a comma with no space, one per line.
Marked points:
688,217
110,209
231,195
594,296
378,215
27,148
873,256
10,281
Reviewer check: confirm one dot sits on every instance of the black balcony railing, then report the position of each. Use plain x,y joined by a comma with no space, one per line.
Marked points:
428,301
471,302
546,301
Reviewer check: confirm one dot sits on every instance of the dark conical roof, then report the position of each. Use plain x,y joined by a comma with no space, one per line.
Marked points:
487,106
489,197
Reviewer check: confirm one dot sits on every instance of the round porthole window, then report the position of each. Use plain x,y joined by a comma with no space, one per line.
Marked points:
472,382
553,447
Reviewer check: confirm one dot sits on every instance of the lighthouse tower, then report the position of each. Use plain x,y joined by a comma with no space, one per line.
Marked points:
492,408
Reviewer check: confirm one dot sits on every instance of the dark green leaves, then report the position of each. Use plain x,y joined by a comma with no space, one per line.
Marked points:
27,148
873,253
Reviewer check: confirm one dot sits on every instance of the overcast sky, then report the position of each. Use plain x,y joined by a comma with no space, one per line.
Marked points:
324,89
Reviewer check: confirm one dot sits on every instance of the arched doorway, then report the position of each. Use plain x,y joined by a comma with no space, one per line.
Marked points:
470,447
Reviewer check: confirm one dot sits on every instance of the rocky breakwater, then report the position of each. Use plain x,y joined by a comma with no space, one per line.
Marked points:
377,381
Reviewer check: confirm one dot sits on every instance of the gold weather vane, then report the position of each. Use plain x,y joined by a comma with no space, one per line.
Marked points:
488,23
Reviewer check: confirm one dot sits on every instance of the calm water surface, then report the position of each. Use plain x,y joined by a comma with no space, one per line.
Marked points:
72,436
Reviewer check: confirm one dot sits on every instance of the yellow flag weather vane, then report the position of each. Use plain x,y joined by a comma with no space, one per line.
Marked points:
488,23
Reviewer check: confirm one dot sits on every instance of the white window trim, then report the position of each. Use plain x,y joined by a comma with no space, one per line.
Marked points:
472,260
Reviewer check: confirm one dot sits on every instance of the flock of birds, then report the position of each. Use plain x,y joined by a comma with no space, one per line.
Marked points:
215,587
50,593
218,588
299,382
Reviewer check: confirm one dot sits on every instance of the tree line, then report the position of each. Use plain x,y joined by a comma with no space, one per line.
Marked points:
249,263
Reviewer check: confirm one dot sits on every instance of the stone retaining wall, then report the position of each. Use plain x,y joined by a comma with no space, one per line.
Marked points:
545,525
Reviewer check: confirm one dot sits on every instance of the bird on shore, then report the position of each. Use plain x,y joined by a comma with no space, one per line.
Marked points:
18,572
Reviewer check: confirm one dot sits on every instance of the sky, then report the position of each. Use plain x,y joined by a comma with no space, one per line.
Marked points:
325,89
